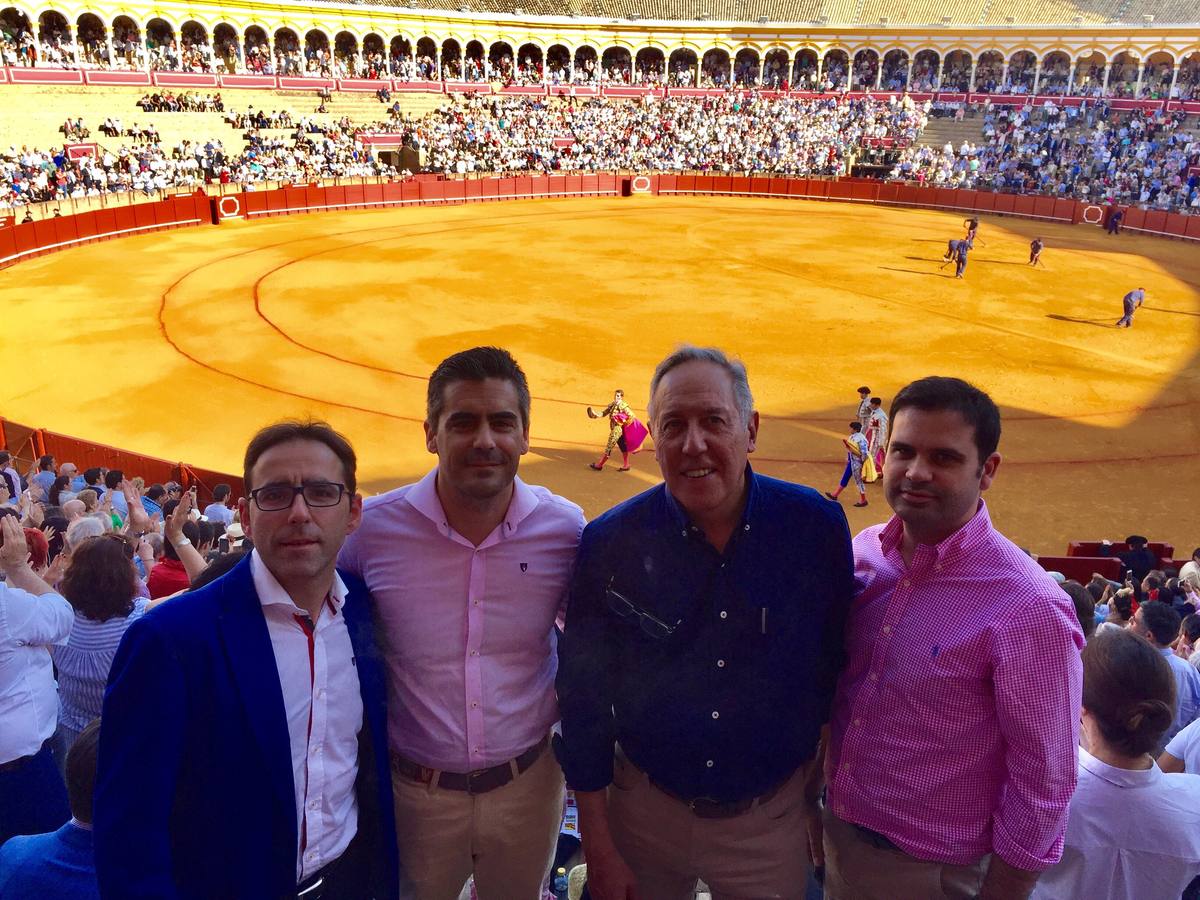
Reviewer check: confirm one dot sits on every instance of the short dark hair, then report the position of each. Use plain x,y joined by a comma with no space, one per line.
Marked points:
91,476
218,567
1129,688
876,401
46,462
1085,606
856,426
1196,553
1190,627
938,392
1161,621
220,492
5,457
476,364
301,430
81,767
113,478
155,491
1136,540
864,390
101,582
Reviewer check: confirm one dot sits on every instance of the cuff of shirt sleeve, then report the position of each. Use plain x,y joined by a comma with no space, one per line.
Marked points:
1016,855
584,774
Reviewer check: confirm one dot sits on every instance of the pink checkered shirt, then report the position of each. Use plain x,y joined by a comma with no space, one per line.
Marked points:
956,719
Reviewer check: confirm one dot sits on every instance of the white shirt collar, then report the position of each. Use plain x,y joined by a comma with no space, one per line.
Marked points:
271,592
1122,778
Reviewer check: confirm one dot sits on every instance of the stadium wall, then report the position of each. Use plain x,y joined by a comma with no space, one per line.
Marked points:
20,242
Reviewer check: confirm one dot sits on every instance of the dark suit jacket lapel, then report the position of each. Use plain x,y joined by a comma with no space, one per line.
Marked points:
252,661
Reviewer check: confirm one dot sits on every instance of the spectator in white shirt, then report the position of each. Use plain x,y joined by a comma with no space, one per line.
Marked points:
1183,751
218,510
33,798
1133,832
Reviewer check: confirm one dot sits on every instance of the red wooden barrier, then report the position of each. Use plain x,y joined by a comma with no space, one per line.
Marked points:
65,229
454,191
295,198
1176,224
574,185
556,185
277,201
1193,227
1005,203
106,221
1065,210
1043,207
985,201
8,242
491,188
940,196
1134,218
43,233
430,191
335,196
355,195
1156,220
523,186
739,185
607,184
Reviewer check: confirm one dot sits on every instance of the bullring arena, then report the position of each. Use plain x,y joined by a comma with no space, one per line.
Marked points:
336,296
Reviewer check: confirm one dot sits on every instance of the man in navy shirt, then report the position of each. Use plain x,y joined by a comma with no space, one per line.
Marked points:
59,865
703,641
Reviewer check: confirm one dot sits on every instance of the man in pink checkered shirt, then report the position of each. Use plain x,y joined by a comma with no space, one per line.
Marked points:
952,751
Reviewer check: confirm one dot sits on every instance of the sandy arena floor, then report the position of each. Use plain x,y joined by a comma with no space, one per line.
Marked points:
181,345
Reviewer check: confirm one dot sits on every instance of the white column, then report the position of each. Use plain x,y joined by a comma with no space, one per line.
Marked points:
1174,81
1004,76
1137,88
908,77
974,70
1037,77
1107,72
108,44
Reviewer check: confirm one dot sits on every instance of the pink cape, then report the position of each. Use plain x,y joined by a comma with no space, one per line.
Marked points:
635,435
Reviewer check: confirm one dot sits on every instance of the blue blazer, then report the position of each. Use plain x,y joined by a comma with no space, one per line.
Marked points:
194,793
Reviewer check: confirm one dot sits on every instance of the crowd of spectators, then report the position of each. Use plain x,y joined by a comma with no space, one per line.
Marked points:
185,101
1089,152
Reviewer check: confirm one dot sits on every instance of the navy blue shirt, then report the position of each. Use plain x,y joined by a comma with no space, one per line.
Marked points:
714,671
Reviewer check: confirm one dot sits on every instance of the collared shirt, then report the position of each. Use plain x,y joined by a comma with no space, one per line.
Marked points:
1132,835
467,632
957,716
53,866
731,701
166,578
219,512
1187,683
324,709
1185,746
120,505
83,662
151,507
28,698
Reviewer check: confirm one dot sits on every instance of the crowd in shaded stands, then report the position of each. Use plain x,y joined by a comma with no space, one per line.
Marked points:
54,47
1087,153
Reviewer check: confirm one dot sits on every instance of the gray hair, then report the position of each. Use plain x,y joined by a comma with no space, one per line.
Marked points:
735,368
83,528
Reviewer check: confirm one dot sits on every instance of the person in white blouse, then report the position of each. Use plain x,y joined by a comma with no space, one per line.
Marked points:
1133,831
33,798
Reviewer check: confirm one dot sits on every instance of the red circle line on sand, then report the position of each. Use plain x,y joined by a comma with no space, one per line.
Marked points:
163,329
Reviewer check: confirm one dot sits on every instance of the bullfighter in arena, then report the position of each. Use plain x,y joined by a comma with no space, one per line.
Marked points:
1131,302
624,430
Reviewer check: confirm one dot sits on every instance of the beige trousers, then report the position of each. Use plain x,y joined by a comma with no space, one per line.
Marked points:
758,855
506,837
857,870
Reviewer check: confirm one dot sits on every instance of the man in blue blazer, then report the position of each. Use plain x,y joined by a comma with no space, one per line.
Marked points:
244,748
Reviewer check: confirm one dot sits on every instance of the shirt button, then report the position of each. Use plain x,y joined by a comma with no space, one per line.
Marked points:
314,805
709,764
476,602
873,677
746,527
716,715
720,663
906,583
887,629
684,532
724,615
476,750
474,705
858,722
474,652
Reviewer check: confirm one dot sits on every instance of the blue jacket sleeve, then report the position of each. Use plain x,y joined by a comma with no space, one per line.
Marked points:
141,742
585,669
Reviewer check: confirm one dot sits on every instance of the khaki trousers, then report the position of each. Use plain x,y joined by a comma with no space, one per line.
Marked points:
760,854
856,869
506,837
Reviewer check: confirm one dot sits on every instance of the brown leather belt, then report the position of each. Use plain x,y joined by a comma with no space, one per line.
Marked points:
707,808
477,782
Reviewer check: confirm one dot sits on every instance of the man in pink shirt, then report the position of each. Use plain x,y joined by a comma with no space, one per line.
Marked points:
468,570
952,751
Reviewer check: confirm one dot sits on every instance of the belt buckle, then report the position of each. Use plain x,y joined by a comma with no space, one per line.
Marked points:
319,883
424,774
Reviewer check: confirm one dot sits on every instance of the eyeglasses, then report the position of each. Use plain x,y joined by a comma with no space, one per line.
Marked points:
651,624
274,497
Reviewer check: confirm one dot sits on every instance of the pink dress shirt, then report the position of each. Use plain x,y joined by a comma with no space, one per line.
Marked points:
956,719
467,632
